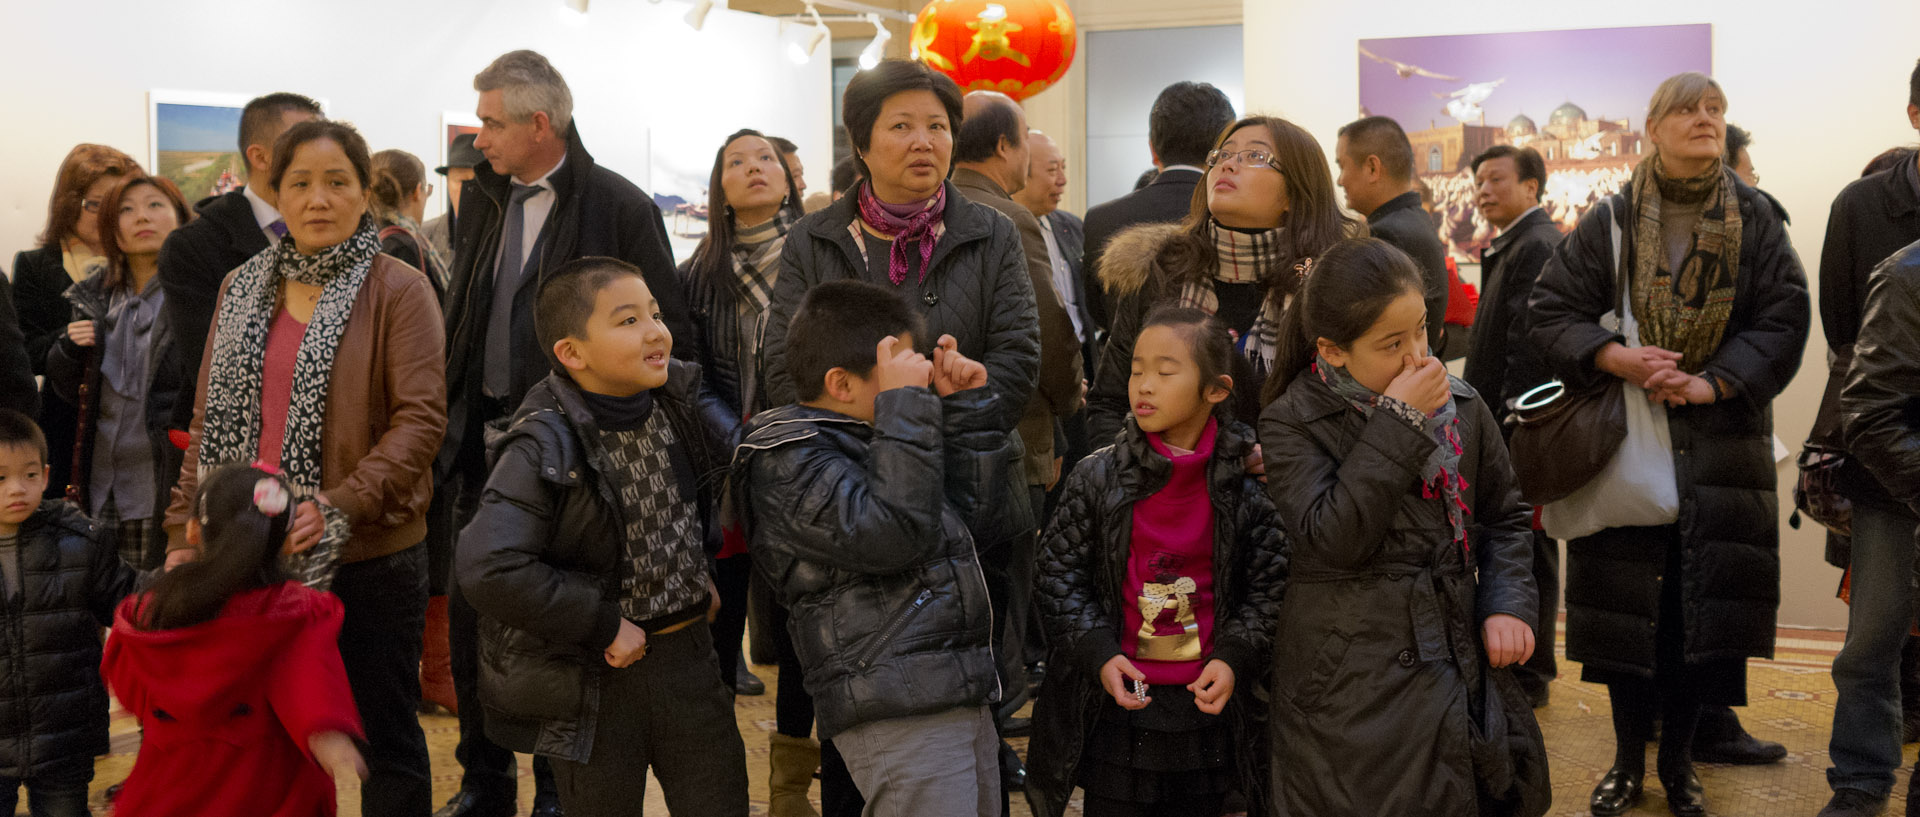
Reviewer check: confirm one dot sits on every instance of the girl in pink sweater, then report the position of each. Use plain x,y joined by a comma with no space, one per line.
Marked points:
1158,581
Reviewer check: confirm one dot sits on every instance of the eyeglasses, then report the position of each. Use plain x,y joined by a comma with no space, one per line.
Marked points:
1247,158
426,190
90,205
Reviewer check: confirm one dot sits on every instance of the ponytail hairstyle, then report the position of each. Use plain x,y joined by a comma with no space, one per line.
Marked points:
396,175
1210,343
1341,297
244,512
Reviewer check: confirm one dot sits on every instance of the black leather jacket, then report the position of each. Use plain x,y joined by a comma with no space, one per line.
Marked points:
1081,576
862,530
541,560
1878,404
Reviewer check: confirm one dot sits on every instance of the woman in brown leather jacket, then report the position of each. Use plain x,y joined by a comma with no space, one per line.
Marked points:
326,363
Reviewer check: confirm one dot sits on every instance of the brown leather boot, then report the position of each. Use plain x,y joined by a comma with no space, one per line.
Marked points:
436,659
790,763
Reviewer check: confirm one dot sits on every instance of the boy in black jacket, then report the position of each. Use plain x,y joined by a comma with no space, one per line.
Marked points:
58,588
587,561
857,501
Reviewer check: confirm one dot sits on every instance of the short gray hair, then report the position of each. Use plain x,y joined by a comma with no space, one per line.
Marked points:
529,84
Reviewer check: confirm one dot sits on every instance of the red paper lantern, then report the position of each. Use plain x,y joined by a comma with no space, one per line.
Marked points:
1016,47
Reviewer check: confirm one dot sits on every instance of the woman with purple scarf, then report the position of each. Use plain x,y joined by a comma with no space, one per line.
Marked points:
961,264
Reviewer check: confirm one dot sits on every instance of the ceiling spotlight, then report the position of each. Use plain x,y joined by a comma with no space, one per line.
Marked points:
697,16
871,55
801,49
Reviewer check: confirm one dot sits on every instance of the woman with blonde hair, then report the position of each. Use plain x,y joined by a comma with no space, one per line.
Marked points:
1666,615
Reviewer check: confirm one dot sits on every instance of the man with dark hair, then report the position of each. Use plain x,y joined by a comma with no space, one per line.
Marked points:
1872,219
791,152
538,201
991,160
845,174
1376,171
231,229
1186,120
1501,364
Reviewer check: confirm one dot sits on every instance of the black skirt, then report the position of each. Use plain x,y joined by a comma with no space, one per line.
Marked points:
1166,751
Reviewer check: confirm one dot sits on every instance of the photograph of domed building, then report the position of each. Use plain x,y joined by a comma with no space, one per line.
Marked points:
1457,96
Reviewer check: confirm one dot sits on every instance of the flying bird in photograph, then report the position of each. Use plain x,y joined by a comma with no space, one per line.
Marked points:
1403,69
1464,104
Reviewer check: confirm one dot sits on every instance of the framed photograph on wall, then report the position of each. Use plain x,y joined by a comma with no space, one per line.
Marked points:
1458,95
193,139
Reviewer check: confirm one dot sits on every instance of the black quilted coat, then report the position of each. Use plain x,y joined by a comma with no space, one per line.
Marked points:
976,289
861,530
1077,593
1379,674
1722,453
53,705
542,559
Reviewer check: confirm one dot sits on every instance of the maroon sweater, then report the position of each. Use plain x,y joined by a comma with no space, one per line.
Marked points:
1169,586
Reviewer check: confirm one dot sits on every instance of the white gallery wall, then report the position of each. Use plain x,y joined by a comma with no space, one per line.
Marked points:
1823,89
652,97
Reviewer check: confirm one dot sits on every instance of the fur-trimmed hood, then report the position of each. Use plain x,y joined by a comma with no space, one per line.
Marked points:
1132,255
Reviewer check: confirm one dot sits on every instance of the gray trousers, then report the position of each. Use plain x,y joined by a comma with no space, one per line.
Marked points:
942,765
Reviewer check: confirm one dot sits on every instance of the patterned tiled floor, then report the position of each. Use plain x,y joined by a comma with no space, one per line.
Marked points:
1791,702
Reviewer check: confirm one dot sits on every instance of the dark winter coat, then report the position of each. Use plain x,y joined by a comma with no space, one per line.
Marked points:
39,279
1722,452
1872,219
1877,407
1139,274
1078,594
194,262
72,370
542,561
16,371
595,212
976,289
862,532
1408,228
53,705
1501,363
1378,652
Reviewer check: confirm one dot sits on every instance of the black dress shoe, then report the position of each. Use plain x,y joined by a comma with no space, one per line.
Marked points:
1618,793
471,804
546,810
745,682
1685,796
1739,749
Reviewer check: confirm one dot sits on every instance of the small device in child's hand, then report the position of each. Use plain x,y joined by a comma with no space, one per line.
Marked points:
1139,689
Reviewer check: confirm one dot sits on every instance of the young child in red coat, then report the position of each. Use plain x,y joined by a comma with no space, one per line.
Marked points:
234,670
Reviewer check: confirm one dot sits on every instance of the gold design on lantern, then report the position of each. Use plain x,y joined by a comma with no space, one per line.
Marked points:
990,40
1157,598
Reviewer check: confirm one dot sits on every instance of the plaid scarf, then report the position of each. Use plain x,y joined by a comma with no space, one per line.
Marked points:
1685,310
756,265
1440,476
922,228
1245,258
231,429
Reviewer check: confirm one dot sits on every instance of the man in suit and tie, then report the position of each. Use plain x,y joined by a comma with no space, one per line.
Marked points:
538,201
1065,238
1187,117
232,228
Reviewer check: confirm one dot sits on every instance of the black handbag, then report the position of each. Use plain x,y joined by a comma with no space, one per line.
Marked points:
1816,493
1565,437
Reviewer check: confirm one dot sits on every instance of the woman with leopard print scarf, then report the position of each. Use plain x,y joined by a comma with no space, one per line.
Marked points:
327,363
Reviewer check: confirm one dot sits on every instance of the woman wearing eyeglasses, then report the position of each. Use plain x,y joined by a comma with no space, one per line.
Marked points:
69,246
1265,208
397,199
